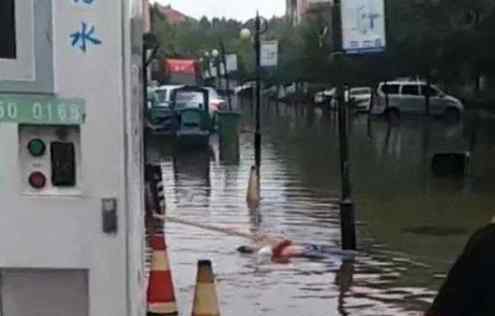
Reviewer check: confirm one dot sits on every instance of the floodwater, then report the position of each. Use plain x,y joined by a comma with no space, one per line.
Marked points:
411,226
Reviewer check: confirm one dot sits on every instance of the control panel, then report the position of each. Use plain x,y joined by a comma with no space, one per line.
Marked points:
50,159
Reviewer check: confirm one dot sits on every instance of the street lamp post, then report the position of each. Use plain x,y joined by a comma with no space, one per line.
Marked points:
347,211
257,47
216,59
207,63
246,34
226,74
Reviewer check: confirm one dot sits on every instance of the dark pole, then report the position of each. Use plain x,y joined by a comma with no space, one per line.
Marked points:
477,17
150,43
145,106
343,132
227,79
347,214
219,73
208,66
427,92
257,135
387,97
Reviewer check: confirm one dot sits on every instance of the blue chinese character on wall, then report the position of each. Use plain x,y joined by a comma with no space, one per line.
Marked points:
82,38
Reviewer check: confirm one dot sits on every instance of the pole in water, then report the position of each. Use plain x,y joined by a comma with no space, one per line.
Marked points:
347,225
257,136
347,214
253,193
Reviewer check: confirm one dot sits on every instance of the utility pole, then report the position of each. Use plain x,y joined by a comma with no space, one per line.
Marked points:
427,92
227,77
347,212
257,134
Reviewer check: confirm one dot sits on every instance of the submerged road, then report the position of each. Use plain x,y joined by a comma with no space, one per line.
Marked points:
411,226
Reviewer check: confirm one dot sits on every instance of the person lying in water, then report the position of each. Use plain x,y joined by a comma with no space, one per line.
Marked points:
281,250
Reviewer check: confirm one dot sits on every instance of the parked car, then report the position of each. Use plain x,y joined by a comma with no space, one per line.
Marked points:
216,103
324,97
361,98
409,97
152,97
160,116
245,89
164,93
190,106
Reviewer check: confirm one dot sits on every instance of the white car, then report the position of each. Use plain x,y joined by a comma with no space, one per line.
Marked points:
361,98
409,97
324,96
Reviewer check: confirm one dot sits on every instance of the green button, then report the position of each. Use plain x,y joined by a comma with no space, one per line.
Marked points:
37,147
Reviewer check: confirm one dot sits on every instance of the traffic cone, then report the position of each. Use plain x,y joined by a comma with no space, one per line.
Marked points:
253,193
205,295
161,297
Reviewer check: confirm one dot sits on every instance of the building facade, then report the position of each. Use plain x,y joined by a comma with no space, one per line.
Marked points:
173,16
297,10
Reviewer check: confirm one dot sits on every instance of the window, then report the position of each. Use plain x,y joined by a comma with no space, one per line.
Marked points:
26,46
189,99
410,89
360,91
390,89
7,30
162,96
432,91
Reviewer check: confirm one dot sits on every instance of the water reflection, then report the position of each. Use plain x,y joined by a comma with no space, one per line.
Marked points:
411,224
192,176
230,151
343,279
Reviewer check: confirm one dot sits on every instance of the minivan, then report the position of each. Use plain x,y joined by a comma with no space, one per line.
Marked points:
408,97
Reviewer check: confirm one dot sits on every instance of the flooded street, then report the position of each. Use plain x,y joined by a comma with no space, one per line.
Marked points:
411,226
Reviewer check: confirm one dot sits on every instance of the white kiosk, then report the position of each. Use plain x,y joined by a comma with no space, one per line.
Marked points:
71,176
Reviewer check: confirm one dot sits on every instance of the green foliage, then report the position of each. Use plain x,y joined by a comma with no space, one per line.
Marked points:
448,40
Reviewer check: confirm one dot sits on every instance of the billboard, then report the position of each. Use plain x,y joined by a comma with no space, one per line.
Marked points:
363,26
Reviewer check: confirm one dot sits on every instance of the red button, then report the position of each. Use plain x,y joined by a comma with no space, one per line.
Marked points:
37,180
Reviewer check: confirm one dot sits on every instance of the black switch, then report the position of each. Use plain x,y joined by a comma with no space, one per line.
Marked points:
63,164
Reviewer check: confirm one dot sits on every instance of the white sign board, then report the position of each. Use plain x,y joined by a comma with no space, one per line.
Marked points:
269,53
363,26
231,61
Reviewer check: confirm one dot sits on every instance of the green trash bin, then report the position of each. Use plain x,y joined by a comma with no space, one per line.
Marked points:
229,129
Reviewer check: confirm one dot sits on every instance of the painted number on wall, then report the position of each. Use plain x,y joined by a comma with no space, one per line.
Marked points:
20,109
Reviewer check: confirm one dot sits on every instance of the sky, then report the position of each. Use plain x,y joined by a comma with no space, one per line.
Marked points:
237,9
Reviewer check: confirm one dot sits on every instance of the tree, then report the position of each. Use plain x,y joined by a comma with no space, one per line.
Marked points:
451,41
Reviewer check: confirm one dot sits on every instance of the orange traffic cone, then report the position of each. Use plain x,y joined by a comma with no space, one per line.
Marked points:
205,296
161,297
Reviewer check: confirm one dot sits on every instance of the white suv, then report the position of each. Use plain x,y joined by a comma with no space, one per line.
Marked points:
409,97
